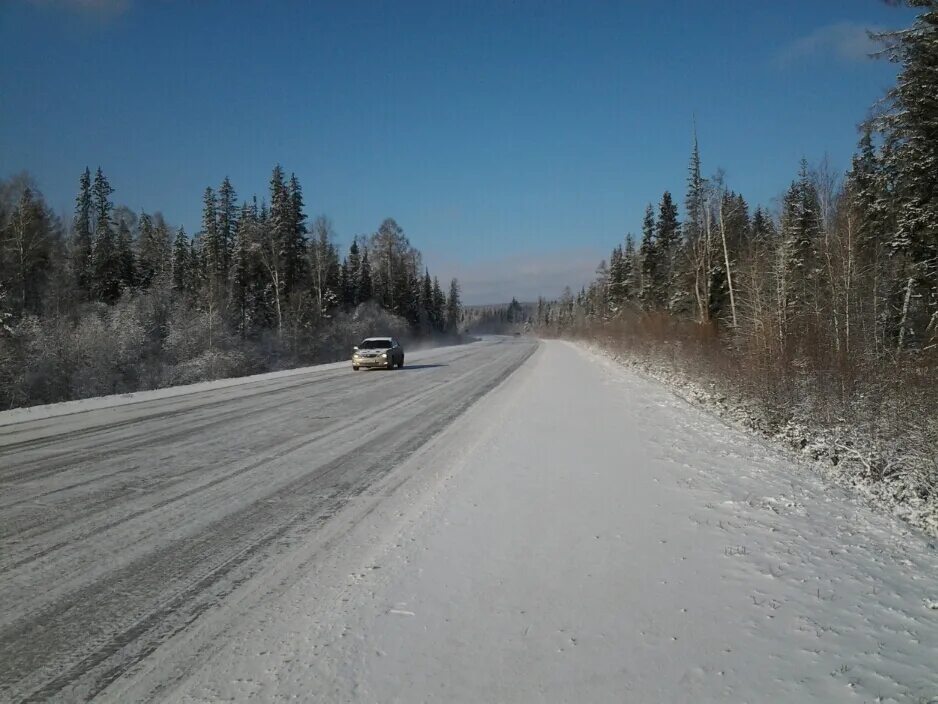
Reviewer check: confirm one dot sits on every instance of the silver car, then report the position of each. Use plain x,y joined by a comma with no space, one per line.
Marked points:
378,352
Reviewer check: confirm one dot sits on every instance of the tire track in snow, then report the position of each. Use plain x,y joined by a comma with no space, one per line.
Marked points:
88,636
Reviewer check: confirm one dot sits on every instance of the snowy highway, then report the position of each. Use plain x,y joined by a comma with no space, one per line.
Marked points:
123,525
510,521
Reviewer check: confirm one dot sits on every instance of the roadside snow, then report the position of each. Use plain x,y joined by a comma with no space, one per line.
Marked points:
582,534
839,452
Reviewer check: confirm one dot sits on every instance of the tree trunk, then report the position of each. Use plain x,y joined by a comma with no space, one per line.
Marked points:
726,260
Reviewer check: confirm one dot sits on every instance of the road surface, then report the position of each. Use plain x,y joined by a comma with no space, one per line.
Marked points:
122,526
578,534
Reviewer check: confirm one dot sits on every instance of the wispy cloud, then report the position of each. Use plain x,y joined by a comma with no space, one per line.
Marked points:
844,41
522,277
91,9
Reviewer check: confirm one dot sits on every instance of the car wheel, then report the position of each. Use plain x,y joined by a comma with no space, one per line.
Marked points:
400,365
354,368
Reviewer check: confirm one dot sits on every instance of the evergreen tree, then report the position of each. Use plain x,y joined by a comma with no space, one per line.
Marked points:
125,256
353,265
650,269
667,244
106,255
617,285
227,223
910,154
801,230
212,242
295,243
426,302
629,270
439,305
182,263
453,307
365,287
82,237
154,250
242,269
694,203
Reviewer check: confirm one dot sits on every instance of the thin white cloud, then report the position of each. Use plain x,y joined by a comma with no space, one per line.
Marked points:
522,277
845,41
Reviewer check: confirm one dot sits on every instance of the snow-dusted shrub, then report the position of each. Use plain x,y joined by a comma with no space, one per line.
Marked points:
210,364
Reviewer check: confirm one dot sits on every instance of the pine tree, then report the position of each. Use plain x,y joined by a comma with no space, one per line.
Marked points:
212,242
353,275
629,270
426,302
650,268
106,258
910,154
242,269
125,255
453,307
82,242
227,223
667,244
694,201
439,305
295,243
182,263
365,286
617,285
154,250
275,230
800,231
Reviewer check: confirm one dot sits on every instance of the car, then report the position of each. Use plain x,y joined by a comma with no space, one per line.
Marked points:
378,352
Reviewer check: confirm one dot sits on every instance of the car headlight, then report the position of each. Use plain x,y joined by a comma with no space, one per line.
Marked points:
384,356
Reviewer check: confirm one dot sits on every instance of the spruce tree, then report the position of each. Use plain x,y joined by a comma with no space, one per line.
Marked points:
227,223
182,254
365,286
650,267
439,305
453,307
82,237
295,242
353,275
629,270
910,155
125,255
106,259
667,244
212,245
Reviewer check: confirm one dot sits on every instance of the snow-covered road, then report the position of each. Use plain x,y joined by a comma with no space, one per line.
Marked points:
125,521
580,534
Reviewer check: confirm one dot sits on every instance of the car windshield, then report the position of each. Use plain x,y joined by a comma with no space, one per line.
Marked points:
375,345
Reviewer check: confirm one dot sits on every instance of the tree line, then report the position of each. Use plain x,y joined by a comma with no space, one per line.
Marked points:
824,307
847,265
257,287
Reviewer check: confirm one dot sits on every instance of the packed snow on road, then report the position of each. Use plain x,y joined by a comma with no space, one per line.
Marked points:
580,534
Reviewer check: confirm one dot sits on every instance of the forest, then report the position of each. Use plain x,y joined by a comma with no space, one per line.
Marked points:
818,316
114,301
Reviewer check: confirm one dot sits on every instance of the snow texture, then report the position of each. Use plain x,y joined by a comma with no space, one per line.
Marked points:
840,453
580,534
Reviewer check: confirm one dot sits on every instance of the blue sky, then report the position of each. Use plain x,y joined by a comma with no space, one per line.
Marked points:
515,142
